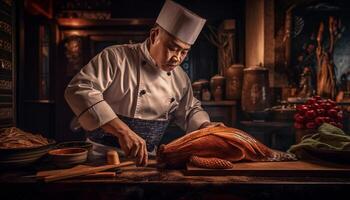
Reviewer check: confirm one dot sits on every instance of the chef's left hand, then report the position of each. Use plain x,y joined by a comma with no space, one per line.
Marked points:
212,124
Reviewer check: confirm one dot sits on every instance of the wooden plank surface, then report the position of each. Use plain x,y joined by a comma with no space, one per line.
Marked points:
80,170
294,168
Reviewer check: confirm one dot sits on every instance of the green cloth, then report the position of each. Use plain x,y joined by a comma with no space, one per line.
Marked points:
328,137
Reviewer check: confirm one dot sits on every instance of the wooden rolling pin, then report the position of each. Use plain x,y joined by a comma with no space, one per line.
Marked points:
43,174
112,159
75,172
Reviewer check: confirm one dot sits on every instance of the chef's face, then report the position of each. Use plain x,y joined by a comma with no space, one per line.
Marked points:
167,51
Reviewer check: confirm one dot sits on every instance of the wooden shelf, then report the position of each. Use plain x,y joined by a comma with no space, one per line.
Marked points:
219,103
78,22
40,101
221,111
273,124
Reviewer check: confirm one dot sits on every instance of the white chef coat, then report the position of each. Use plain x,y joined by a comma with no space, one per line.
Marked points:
124,80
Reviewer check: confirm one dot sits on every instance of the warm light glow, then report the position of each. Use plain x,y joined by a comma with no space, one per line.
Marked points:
135,22
254,32
74,33
74,22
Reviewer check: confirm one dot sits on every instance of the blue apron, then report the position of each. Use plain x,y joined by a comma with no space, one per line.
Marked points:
151,131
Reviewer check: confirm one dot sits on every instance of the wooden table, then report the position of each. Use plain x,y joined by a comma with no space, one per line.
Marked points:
150,183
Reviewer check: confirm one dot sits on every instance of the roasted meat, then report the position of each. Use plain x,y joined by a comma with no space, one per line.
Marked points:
211,147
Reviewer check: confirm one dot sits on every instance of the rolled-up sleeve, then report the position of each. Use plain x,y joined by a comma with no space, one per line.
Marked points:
190,115
84,93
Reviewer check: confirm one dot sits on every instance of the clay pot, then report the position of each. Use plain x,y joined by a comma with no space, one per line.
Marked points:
206,95
218,93
215,82
234,78
198,86
256,90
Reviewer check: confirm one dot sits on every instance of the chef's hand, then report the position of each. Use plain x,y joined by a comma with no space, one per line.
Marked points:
212,124
132,144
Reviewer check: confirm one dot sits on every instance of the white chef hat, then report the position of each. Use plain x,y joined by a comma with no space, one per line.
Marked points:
180,22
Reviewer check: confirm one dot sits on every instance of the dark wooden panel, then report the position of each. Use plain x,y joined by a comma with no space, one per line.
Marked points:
221,111
38,117
6,114
6,7
7,63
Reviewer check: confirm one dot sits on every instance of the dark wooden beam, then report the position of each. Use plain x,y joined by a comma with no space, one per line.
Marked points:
39,7
80,23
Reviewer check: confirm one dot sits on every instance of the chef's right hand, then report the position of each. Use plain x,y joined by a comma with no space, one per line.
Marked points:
132,144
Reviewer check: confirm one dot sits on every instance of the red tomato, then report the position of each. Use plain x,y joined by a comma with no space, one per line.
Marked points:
319,120
328,106
333,103
299,118
322,101
298,125
323,105
332,113
340,116
337,108
311,101
327,119
311,125
310,114
317,106
317,98
321,112
302,108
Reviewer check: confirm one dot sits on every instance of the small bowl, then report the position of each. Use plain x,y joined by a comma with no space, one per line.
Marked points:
75,144
284,115
67,157
259,115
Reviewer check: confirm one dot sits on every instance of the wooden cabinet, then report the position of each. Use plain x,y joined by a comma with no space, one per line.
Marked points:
7,64
221,111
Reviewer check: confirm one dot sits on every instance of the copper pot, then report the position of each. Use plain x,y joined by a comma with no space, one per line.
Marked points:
234,78
256,90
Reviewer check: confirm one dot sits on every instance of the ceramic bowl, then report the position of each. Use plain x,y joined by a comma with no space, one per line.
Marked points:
22,157
284,115
67,157
75,144
259,115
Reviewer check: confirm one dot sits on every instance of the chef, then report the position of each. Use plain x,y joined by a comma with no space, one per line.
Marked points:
127,94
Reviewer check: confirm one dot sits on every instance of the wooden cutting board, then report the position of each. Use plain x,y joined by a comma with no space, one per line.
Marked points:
266,169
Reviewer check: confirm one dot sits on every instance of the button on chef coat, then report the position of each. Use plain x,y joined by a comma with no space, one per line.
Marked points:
124,80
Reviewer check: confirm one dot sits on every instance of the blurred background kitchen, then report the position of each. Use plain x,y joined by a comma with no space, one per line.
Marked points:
254,61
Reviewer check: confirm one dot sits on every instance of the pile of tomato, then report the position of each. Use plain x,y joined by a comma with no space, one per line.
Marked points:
317,111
